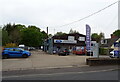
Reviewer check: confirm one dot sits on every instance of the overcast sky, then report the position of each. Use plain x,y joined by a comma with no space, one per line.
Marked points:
54,13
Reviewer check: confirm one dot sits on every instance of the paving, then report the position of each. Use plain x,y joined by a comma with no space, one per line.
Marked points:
42,60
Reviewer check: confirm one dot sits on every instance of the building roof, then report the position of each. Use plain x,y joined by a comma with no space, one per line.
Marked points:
110,42
66,35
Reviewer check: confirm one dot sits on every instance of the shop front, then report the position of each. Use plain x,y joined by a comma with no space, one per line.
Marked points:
72,42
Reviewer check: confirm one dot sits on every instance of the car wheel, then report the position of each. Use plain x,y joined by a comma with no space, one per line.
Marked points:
118,57
5,56
76,53
25,56
111,56
59,54
67,53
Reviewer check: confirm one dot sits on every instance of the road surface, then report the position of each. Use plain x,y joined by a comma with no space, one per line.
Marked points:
74,73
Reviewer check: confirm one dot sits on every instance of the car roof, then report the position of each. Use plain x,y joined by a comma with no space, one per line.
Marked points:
11,48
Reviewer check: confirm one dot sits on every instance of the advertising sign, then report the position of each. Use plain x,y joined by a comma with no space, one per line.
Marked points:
72,38
81,38
65,41
88,37
116,44
117,48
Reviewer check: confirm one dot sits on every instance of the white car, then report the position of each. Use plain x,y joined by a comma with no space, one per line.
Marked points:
54,52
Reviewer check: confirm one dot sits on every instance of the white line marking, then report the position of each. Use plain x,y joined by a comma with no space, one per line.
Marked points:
58,73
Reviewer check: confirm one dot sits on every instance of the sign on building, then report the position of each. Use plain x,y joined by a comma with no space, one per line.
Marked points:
71,38
65,41
81,38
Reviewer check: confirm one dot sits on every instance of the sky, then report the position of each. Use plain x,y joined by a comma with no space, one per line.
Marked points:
55,13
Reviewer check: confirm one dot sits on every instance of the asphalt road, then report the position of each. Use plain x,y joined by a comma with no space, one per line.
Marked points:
74,73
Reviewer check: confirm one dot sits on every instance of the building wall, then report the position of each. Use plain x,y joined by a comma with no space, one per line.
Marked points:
57,46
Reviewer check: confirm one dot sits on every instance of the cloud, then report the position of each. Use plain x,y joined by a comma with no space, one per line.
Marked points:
53,13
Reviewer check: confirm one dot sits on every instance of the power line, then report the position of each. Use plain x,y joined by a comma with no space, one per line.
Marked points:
90,14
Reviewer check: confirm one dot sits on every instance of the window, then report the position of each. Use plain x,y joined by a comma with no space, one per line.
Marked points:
103,41
11,50
17,49
81,38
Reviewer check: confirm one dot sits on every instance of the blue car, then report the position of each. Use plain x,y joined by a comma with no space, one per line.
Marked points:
15,52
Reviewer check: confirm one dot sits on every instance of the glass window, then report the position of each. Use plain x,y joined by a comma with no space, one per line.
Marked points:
17,49
10,49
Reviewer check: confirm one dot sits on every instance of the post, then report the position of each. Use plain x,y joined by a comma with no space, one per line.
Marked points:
47,30
98,48
90,47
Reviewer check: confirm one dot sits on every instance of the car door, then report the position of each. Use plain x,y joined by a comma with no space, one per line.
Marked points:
15,52
11,52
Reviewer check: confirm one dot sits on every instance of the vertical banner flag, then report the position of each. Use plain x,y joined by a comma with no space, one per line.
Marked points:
88,38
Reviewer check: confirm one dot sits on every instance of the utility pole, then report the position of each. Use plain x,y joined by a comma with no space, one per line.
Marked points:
47,30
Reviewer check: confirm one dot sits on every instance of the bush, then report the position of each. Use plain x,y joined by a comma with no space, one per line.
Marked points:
103,51
10,45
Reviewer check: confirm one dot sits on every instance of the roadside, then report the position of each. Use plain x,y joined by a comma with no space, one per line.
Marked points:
46,73
41,60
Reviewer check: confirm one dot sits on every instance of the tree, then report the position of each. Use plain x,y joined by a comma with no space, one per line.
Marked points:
43,37
73,31
50,35
102,35
20,34
15,36
32,36
97,37
9,27
0,36
59,33
5,38
13,31
34,28
117,33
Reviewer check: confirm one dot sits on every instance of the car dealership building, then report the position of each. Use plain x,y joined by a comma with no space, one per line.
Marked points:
69,41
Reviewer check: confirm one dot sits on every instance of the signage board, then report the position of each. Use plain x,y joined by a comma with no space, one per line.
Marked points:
88,38
81,38
117,48
116,53
72,38
116,44
65,41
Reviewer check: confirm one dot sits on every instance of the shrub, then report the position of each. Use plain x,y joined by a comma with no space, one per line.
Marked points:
103,51
10,45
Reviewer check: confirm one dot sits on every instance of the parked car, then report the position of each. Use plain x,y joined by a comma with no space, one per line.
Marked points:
89,53
115,54
15,52
54,51
80,52
63,52
31,48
